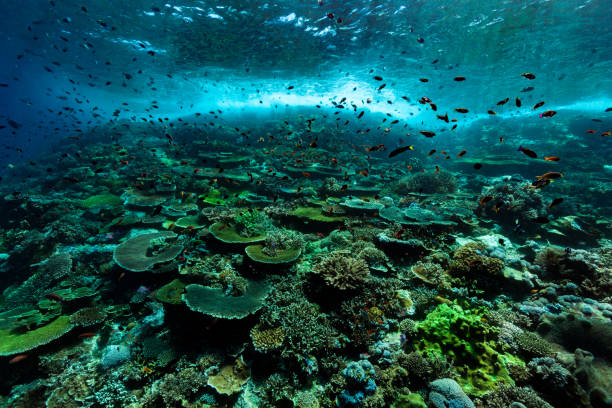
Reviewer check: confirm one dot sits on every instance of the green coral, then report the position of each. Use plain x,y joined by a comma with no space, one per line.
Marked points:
171,292
250,223
14,342
464,337
102,201
228,234
315,214
214,301
257,253
213,197
142,252
412,400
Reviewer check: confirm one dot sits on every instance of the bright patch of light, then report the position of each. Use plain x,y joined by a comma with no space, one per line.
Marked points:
214,15
287,18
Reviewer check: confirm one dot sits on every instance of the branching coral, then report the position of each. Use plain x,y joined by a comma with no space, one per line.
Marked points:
341,271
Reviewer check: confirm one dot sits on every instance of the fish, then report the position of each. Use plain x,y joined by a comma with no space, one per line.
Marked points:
87,335
552,158
363,173
461,153
551,175
528,89
518,103
432,151
443,117
528,75
490,112
454,127
433,106
608,133
378,78
608,110
485,200
360,115
437,170
556,201
400,150
591,131
502,102
427,133
461,110
420,40
375,148
528,152
459,78
548,114
306,174
477,166
537,105
381,87
18,358
423,79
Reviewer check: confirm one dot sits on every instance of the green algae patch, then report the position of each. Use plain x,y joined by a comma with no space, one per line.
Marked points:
255,252
228,234
214,302
171,293
213,197
464,337
14,342
102,201
315,214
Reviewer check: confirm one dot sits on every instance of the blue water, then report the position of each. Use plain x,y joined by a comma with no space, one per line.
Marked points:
130,98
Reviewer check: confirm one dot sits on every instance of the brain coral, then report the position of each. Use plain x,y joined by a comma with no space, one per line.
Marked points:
139,254
342,271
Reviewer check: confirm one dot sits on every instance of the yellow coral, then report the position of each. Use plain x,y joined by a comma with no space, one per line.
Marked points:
231,378
267,339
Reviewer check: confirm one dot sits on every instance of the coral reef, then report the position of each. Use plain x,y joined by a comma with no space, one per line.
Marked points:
341,271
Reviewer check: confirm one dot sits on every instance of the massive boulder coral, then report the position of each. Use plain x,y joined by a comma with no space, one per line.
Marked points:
342,271
471,260
141,252
442,182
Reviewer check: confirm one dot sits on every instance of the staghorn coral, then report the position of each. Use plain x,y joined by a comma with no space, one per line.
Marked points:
507,395
266,339
341,271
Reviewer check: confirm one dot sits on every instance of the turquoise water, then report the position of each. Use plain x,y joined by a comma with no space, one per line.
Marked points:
306,204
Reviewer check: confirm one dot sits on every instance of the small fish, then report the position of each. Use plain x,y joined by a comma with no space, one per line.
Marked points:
591,131
551,175
461,153
461,110
485,200
454,127
423,79
444,118
381,87
400,150
528,75
437,170
528,89
363,173
360,115
432,151
537,105
518,103
552,158
313,143
18,358
375,148
554,202
87,335
427,133
306,174
503,102
548,114
378,78
420,40
477,166
608,110
434,107
490,112
459,78
608,133
528,152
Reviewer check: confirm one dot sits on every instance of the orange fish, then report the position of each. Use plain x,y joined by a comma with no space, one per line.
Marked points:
591,131
552,158
548,114
305,174
364,173
550,175
18,358
537,105
608,133
461,153
86,335
437,169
